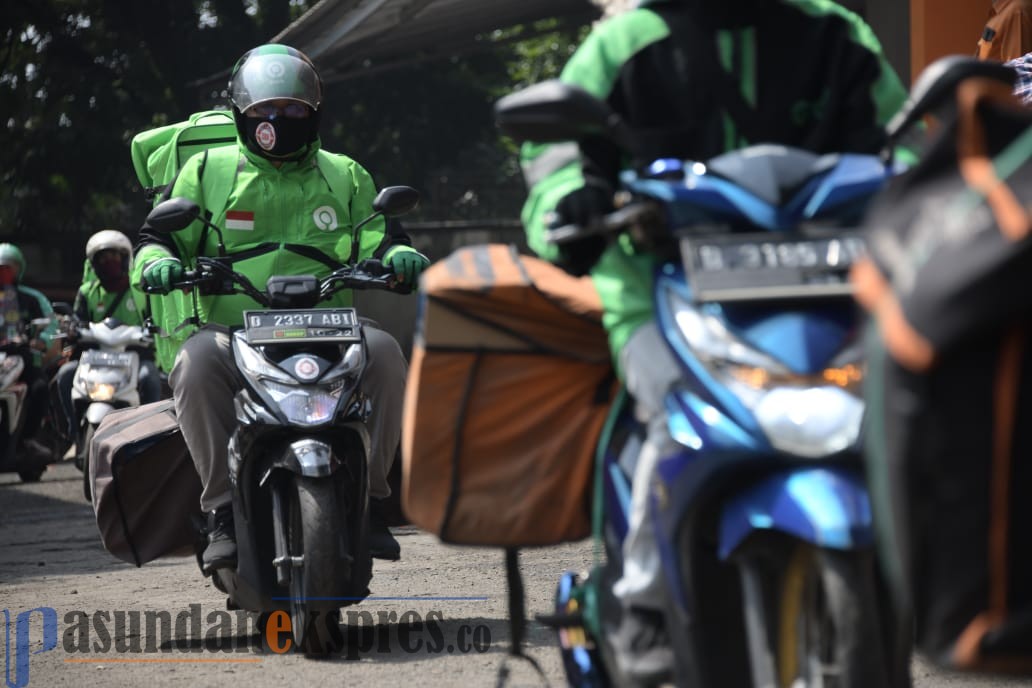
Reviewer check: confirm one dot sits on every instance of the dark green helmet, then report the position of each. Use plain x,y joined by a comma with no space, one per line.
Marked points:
272,72
12,255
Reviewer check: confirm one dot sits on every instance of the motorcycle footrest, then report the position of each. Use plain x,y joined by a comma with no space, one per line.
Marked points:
558,621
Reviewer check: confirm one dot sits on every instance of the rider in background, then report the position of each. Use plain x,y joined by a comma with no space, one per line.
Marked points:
105,292
693,79
19,306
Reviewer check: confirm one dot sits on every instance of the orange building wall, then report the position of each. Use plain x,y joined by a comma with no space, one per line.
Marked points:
944,27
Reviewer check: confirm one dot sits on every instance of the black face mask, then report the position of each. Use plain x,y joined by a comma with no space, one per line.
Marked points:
278,138
114,277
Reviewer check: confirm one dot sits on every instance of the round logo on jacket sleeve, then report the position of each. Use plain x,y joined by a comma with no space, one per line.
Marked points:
325,218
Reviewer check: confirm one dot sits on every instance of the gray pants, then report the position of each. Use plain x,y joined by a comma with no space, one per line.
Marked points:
204,381
649,370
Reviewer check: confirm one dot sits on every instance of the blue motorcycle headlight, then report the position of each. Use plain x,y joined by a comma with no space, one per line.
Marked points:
809,415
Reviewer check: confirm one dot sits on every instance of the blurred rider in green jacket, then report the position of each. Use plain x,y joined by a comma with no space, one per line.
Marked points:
693,79
106,293
290,209
19,306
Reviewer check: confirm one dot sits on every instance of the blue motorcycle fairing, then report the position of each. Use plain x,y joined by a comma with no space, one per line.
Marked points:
697,424
700,197
696,376
827,507
854,177
805,339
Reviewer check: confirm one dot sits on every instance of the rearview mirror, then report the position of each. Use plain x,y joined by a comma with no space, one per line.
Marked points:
393,201
937,84
554,111
62,308
173,215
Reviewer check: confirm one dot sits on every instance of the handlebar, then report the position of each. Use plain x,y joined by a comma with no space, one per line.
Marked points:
215,276
618,220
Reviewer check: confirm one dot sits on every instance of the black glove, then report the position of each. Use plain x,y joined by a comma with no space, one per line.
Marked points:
583,207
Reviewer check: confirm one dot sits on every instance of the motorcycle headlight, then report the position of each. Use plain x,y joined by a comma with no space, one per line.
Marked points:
254,365
101,382
354,359
809,415
101,391
305,404
300,403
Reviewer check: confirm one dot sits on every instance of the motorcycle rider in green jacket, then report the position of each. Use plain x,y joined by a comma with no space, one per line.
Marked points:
290,209
19,306
693,79
106,293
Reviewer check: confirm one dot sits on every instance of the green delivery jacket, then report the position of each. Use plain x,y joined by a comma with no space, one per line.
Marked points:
298,219
93,304
804,73
21,305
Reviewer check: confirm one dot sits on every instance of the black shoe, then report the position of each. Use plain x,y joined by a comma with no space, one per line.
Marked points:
34,452
642,646
221,552
382,544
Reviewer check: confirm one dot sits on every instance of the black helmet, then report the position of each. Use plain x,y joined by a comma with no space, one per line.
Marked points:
276,73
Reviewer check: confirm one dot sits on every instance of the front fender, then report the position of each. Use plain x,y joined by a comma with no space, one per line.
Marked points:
96,412
308,457
828,507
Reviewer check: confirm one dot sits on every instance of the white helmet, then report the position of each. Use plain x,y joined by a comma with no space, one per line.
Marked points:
109,239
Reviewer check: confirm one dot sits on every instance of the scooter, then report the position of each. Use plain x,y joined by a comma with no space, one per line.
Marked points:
762,517
14,351
297,460
106,379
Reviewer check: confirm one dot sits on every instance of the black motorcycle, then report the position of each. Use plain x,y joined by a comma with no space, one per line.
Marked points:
297,460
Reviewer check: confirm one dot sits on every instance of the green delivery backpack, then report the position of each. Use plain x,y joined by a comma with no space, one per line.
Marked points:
159,153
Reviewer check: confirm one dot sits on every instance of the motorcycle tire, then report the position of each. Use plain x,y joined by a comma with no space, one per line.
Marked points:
313,533
87,439
827,630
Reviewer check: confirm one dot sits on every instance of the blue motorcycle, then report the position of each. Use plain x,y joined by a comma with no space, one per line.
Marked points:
763,517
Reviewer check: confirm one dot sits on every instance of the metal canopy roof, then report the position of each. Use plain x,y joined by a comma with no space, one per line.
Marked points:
352,37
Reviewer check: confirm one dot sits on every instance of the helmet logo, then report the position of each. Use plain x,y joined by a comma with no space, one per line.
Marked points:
325,218
265,135
274,71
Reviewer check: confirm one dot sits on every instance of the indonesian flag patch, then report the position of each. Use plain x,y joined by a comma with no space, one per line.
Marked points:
240,219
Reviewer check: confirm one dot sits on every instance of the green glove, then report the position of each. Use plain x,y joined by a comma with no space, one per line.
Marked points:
162,274
407,264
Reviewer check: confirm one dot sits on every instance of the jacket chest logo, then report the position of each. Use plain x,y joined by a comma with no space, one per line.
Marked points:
325,218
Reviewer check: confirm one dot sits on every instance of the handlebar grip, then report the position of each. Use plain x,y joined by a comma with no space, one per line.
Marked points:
374,267
190,278
566,234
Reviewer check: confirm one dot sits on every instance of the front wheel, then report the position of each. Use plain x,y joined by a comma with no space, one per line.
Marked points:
824,631
314,534
87,439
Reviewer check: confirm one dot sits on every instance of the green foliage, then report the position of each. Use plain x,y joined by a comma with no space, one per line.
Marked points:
78,78
541,50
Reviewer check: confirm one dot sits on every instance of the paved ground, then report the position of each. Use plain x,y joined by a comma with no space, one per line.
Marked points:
51,556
